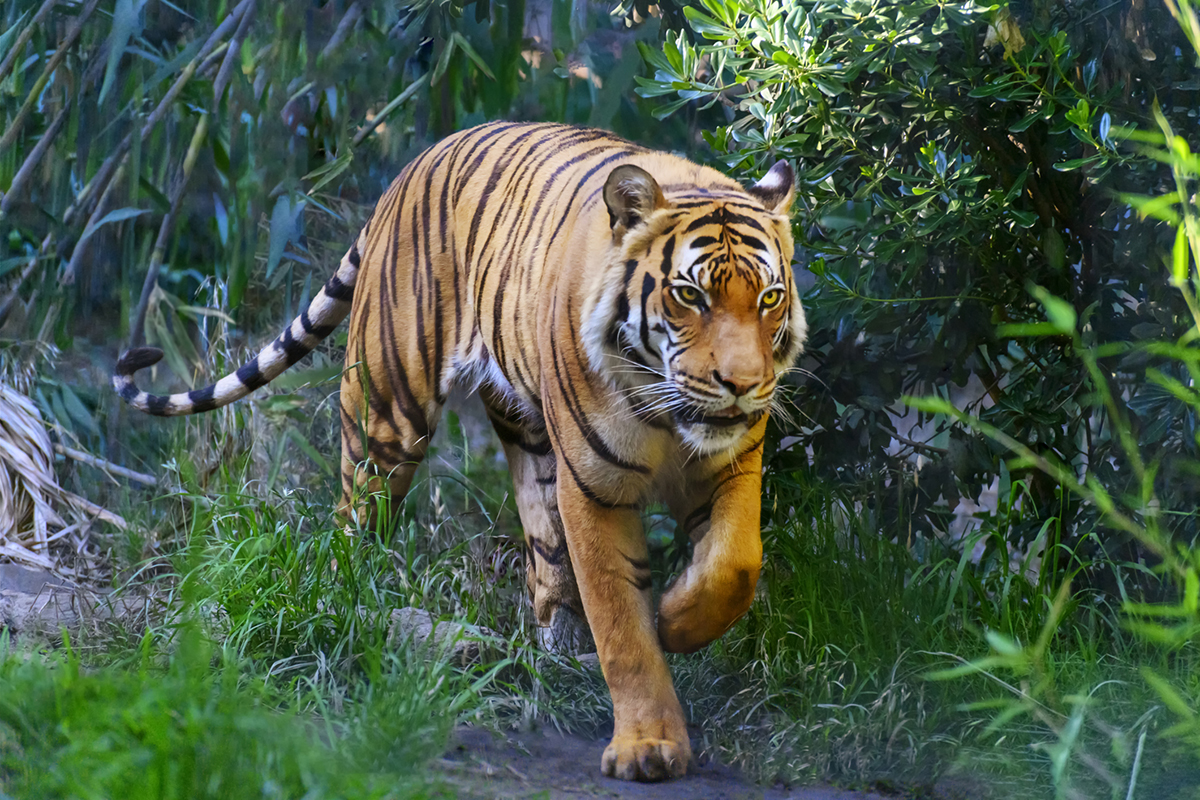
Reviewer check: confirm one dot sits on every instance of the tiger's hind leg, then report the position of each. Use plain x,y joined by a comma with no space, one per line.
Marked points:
562,626
386,428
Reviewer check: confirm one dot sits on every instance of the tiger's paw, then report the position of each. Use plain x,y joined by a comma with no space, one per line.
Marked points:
632,758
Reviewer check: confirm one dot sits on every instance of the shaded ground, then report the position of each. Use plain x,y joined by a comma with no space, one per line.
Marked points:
546,764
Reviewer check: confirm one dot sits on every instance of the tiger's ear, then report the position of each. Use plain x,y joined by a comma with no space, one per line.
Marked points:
777,188
631,195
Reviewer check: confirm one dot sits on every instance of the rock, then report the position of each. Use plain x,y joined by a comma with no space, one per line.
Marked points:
566,634
589,662
40,602
30,581
463,644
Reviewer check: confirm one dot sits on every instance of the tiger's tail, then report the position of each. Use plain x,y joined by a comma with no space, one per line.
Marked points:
323,315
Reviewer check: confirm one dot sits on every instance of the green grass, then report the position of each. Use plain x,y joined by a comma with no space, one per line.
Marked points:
204,726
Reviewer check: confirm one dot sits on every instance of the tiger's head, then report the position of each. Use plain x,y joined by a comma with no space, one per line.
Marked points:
698,315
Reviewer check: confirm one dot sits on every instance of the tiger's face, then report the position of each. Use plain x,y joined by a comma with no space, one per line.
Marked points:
708,317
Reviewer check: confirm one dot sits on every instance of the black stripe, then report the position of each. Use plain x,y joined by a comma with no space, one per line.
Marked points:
569,205
157,404
293,349
648,287
571,400
336,290
202,399
320,331
584,489
668,253
251,376
640,583
555,557
394,451
752,241
637,563
127,389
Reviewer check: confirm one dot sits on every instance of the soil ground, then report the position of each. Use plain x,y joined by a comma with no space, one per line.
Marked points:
548,764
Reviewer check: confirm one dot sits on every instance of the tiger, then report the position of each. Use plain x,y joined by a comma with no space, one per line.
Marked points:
626,316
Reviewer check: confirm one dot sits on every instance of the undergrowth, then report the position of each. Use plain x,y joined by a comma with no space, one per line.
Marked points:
269,614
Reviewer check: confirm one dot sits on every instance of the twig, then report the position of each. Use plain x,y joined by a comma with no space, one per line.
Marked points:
233,53
23,37
915,445
408,92
68,276
34,158
106,466
349,19
137,335
35,91
97,512
6,303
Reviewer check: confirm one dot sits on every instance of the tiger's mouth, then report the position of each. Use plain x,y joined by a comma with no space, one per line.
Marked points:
725,418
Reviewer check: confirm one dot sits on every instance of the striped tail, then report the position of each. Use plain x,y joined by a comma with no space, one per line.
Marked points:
323,315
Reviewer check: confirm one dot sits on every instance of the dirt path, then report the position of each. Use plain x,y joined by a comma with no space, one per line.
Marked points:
545,764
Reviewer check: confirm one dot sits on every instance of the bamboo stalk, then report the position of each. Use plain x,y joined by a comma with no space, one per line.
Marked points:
349,19
138,334
34,158
23,38
232,54
105,466
95,511
60,52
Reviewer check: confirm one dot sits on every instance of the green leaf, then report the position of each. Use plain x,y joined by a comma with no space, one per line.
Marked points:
1061,313
1160,207
1023,124
443,61
328,172
931,405
705,25
1171,698
78,411
1023,219
313,376
1053,248
7,37
119,215
1180,261
284,217
1076,163
1018,329
466,47
310,451
829,86
125,19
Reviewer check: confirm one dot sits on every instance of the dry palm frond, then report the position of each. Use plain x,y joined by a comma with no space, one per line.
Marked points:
30,497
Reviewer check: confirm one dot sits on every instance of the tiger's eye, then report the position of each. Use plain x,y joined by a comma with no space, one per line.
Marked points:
688,295
771,298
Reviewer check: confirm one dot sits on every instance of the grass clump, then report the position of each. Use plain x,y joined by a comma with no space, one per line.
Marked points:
198,728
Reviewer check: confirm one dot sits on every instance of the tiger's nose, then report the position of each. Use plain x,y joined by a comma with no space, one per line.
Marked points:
738,385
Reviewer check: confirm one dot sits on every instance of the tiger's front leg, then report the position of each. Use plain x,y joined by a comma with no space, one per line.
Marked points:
723,521
610,560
